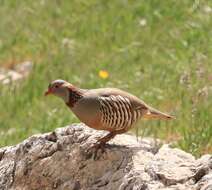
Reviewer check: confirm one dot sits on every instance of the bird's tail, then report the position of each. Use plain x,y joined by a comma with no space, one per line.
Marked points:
156,114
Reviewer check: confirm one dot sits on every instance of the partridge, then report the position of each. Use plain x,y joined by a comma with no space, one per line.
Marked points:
107,109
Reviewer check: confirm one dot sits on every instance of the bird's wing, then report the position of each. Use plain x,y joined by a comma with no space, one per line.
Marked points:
107,92
136,104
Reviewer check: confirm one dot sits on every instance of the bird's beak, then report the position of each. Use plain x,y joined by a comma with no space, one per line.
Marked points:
47,92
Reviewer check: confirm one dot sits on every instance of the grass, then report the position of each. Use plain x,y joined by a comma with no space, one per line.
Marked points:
166,61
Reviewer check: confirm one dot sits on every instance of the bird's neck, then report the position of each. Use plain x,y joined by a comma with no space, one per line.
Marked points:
74,95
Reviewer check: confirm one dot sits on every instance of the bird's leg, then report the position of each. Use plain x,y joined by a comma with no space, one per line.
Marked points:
99,145
102,141
106,138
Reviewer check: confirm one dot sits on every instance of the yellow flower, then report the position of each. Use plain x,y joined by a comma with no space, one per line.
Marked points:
103,74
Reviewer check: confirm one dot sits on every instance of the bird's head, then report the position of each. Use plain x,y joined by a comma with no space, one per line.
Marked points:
59,88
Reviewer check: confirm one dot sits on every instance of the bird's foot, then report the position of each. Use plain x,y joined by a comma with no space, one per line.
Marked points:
98,146
96,150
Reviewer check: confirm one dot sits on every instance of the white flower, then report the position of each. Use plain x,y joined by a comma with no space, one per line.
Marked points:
143,22
207,9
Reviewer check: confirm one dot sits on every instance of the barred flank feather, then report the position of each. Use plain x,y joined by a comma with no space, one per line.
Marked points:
117,112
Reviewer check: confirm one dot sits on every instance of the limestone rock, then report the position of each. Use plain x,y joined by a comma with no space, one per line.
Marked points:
9,76
60,160
24,68
19,72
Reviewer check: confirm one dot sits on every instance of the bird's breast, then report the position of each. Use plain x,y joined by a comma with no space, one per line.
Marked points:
87,111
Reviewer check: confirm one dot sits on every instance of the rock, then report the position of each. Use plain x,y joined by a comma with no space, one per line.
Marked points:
20,71
9,76
24,68
60,160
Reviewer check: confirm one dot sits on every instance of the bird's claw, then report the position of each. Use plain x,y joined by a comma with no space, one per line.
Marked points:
96,149
97,146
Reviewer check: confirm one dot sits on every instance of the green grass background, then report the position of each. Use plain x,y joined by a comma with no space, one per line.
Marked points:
75,39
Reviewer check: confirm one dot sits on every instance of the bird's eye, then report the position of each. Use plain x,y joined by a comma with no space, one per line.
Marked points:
56,86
